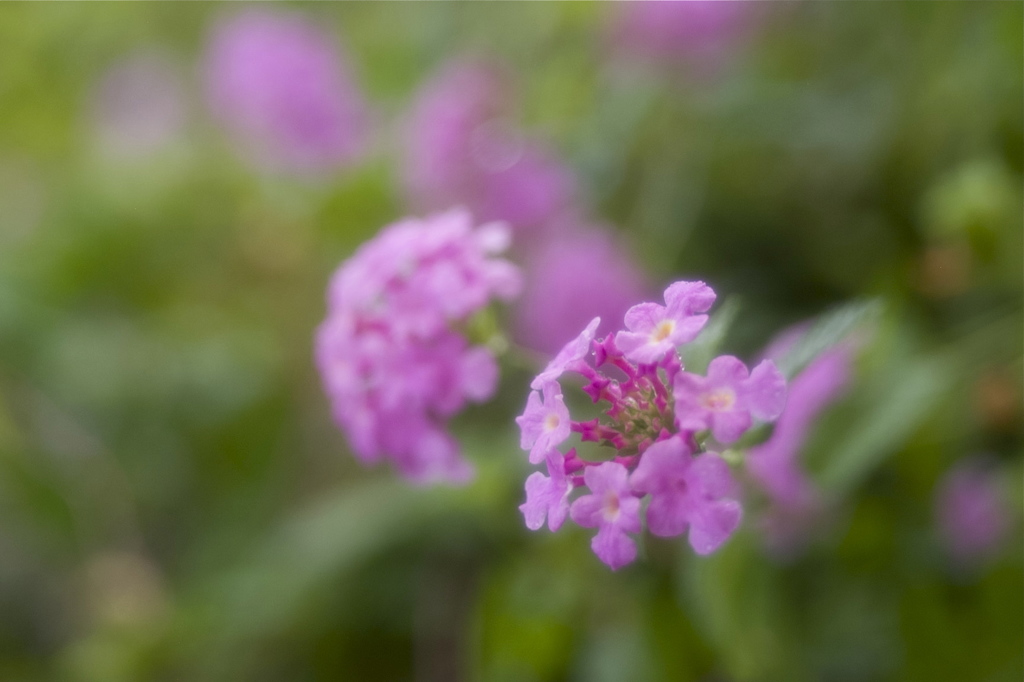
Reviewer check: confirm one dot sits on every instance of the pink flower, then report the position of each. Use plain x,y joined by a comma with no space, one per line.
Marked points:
545,423
574,274
392,361
973,515
613,509
650,430
698,31
462,151
725,400
548,496
570,355
283,87
774,463
655,330
688,492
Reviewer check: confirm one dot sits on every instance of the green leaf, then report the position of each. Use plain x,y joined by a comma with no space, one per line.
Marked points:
698,354
735,599
828,330
895,407
266,591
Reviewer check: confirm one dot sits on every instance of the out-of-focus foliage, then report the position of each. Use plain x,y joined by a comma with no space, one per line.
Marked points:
176,504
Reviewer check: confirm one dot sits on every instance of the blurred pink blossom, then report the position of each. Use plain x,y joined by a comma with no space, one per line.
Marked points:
575,273
283,87
972,512
795,503
462,149
390,352
702,32
775,463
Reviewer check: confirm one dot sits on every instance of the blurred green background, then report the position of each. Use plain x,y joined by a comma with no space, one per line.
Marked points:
176,504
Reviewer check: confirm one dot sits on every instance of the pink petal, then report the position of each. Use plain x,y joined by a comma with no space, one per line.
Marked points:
659,464
529,421
586,511
727,427
726,370
607,476
713,525
613,547
573,351
711,476
766,391
643,317
688,329
687,298
667,515
535,509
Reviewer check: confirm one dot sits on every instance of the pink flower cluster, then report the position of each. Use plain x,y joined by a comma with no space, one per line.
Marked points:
698,31
284,88
390,353
463,149
655,418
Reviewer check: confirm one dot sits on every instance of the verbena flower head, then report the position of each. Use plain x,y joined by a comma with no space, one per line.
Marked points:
654,417
391,354
461,149
283,87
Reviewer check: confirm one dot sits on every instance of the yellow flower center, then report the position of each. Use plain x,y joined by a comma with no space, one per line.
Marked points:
551,422
718,400
611,506
663,330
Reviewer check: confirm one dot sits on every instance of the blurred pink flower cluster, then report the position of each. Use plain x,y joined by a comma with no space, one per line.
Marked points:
464,148
390,353
973,514
283,87
702,34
